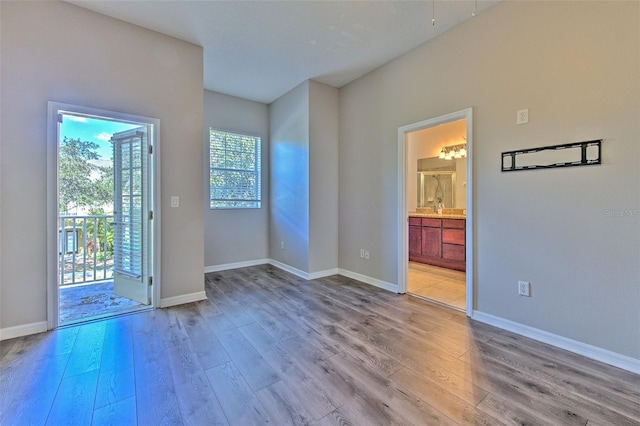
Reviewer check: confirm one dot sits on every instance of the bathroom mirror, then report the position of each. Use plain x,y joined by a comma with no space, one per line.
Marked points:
435,188
441,181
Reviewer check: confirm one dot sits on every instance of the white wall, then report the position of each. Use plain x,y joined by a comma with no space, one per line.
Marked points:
54,51
289,178
236,235
323,177
574,233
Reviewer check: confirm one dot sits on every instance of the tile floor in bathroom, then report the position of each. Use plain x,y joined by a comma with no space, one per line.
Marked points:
442,285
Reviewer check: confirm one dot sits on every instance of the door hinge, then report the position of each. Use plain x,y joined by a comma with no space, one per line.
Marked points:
150,149
60,118
150,215
150,281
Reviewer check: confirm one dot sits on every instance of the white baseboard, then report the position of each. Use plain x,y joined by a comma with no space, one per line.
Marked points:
236,265
327,273
182,299
23,330
368,280
295,271
593,352
322,274
302,274
277,264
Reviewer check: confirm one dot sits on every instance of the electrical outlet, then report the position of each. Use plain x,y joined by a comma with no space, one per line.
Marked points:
522,116
361,253
366,254
524,288
281,245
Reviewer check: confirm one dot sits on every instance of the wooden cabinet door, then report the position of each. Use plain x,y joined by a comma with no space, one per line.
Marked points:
415,240
432,242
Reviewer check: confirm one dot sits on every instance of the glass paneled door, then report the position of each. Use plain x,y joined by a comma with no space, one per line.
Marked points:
131,215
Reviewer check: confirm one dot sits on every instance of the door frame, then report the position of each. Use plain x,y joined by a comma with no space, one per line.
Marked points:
403,222
52,213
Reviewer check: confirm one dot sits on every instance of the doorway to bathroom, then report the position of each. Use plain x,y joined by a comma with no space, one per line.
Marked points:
435,210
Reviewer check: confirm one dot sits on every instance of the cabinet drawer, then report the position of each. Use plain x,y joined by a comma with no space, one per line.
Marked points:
453,236
415,221
453,223
431,223
453,252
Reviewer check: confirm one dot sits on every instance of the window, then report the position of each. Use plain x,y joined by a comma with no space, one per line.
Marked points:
234,170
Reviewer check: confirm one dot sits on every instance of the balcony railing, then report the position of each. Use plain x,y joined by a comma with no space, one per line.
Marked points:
86,249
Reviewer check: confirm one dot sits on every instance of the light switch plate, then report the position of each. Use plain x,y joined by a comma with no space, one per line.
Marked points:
175,201
522,116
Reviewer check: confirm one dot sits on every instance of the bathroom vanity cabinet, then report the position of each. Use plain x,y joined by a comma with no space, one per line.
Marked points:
438,241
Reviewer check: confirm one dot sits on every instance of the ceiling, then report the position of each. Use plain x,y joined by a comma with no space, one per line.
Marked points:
260,50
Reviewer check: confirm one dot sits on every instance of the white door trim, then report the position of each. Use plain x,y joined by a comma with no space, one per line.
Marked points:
53,109
403,227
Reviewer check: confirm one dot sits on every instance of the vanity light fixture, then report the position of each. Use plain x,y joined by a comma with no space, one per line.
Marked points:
454,151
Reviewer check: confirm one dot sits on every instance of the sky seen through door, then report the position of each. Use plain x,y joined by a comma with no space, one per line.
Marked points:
93,130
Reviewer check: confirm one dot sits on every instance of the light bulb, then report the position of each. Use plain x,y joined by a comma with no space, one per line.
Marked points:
463,152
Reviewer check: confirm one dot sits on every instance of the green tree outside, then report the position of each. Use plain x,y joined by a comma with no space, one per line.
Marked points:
82,182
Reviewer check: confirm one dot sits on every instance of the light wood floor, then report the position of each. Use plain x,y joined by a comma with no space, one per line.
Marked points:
268,347
442,285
